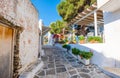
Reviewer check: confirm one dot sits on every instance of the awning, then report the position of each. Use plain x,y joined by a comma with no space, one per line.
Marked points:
87,16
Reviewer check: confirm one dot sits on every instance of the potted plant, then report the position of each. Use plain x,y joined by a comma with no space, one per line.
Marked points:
95,39
86,56
66,46
82,39
76,52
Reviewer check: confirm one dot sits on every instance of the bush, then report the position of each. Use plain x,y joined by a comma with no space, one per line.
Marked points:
75,51
86,55
66,40
68,47
95,38
81,38
93,1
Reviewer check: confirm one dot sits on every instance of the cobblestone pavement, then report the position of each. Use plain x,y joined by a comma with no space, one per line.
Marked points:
60,64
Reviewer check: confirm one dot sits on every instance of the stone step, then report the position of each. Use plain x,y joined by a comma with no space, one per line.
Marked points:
30,72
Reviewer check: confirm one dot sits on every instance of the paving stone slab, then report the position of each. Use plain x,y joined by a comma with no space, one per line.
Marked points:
42,77
70,68
59,70
101,76
58,62
73,72
62,75
50,72
83,75
60,65
41,73
84,70
50,76
36,76
93,73
75,76
51,65
45,67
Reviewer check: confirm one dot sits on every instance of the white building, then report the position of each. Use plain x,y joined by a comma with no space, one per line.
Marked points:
107,54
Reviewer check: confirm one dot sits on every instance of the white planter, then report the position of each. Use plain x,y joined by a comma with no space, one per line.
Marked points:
86,61
79,58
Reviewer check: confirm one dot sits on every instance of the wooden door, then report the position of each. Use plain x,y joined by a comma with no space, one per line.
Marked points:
6,40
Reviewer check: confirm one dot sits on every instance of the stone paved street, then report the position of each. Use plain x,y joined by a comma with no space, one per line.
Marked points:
60,64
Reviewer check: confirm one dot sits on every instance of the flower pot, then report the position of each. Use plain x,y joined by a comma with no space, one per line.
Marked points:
82,41
86,61
93,41
78,57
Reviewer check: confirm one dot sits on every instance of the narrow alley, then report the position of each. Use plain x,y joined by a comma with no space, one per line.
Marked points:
60,64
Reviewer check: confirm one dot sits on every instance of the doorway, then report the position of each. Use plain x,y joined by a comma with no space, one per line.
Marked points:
6,51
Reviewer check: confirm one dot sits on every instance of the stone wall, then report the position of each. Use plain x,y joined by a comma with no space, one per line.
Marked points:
22,13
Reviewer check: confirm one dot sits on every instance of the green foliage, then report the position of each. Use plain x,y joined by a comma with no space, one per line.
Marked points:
86,55
66,40
62,8
64,46
62,42
75,51
68,47
83,54
81,38
69,8
70,12
87,6
93,1
57,27
95,38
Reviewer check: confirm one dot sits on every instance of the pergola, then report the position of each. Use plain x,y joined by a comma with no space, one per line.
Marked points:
89,15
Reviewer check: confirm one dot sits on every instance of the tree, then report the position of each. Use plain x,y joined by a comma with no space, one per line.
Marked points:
57,27
62,8
68,9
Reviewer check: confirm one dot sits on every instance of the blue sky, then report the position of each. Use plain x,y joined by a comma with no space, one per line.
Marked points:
47,10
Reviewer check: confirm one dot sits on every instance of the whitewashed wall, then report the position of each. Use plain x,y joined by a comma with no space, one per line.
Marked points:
112,34
101,57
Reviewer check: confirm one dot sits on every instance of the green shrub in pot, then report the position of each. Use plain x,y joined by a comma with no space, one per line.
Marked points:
86,55
68,47
95,39
75,51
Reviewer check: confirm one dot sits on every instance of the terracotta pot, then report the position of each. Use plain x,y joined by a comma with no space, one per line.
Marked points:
82,41
93,41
